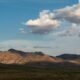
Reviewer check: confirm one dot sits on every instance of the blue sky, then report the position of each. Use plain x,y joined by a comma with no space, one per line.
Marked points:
18,27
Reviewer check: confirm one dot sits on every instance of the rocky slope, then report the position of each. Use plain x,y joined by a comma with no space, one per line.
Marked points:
18,57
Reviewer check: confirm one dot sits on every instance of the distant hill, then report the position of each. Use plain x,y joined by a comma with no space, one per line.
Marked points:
69,56
38,59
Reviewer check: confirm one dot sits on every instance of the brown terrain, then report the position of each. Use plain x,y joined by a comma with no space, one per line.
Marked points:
18,57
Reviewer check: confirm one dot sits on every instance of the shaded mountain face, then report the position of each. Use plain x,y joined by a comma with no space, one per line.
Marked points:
13,56
69,56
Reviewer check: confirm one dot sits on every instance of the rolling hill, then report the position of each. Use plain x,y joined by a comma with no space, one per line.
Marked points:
13,56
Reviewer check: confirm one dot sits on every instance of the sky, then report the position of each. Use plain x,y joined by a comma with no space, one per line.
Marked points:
52,26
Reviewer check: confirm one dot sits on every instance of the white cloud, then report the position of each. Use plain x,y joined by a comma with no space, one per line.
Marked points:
45,23
22,30
50,20
69,13
73,30
44,20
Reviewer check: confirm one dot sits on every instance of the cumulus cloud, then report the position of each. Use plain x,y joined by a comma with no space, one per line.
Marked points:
50,20
44,20
73,30
69,13
45,23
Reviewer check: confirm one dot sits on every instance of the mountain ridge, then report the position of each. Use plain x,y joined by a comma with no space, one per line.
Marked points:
13,56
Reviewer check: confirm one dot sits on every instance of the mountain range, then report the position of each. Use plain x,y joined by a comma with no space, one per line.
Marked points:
13,56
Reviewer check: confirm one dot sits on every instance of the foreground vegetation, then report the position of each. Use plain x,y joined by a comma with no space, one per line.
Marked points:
13,72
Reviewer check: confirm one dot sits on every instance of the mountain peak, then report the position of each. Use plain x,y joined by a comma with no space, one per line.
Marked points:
12,50
17,51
